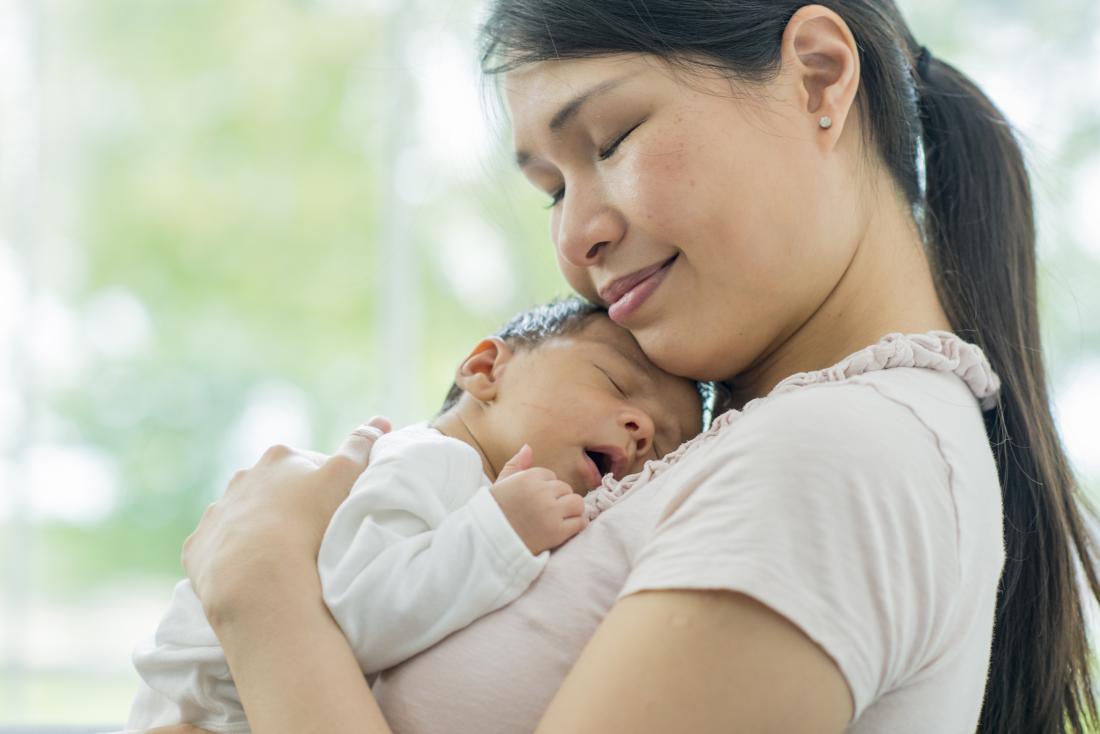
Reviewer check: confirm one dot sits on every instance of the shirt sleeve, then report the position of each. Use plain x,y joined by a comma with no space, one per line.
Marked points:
419,550
832,506
184,674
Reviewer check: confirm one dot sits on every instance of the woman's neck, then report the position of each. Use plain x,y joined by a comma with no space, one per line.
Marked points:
888,287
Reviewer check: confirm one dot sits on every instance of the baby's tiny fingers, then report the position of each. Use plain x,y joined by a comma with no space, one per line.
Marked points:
571,505
562,489
572,525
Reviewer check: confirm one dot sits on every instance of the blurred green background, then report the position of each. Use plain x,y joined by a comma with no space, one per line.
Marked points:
229,224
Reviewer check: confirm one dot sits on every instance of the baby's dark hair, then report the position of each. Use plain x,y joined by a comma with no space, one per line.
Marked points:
529,328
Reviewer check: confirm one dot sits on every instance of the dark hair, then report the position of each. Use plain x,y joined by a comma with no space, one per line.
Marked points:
528,329
977,216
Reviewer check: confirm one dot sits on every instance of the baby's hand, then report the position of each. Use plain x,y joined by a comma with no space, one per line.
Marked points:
543,510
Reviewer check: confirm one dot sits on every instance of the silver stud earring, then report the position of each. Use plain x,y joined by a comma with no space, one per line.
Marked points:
826,122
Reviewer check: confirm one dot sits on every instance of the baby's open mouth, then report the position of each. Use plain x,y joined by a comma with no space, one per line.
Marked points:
608,460
602,461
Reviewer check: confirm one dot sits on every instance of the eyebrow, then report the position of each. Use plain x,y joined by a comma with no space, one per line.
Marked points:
570,109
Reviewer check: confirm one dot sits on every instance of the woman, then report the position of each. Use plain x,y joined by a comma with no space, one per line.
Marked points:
759,192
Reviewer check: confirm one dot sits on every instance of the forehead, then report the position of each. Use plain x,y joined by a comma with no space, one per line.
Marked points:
599,333
533,92
602,337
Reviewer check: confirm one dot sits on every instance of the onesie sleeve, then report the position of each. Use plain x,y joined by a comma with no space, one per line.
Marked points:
831,505
419,550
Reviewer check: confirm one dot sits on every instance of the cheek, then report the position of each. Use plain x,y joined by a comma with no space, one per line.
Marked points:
657,188
746,207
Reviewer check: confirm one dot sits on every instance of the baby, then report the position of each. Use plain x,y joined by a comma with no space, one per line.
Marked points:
447,524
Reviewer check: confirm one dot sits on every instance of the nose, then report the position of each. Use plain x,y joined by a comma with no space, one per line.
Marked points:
587,227
639,426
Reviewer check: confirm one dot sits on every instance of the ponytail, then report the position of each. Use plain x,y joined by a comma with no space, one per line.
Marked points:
980,226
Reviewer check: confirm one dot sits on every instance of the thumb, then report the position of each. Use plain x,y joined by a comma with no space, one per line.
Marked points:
520,462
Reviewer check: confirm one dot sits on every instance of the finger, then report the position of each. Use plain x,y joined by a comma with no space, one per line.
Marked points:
561,489
381,423
316,457
352,457
520,462
572,506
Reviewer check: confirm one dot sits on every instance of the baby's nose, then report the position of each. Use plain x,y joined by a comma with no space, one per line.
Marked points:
640,427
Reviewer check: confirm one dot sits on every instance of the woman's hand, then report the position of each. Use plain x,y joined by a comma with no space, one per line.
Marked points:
253,563
265,531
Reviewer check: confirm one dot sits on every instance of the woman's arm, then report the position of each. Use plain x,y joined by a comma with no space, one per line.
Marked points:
253,563
661,661
293,668
699,661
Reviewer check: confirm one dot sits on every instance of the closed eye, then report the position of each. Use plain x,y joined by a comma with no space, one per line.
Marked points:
610,150
556,197
611,380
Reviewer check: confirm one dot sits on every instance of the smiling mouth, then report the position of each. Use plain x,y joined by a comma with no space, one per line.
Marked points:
616,290
629,294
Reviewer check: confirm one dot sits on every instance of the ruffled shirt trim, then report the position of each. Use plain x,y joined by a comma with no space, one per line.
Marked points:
935,350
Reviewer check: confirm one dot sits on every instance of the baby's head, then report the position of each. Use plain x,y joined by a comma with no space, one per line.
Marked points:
578,389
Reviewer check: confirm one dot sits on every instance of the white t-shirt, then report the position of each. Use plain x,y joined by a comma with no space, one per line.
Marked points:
418,550
861,502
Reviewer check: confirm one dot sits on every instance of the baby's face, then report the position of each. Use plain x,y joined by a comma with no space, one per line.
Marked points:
591,404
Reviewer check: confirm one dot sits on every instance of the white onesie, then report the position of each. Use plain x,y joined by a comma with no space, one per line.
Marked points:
418,550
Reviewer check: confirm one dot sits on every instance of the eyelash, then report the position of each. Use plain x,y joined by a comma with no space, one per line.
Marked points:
604,154
612,381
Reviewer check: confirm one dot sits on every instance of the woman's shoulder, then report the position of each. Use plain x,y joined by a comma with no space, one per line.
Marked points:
837,505
895,403
886,438
906,409
893,416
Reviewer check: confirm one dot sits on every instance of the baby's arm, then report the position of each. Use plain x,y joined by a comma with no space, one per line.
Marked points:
419,549
402,567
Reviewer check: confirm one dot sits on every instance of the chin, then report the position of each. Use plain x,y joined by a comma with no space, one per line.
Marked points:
678,352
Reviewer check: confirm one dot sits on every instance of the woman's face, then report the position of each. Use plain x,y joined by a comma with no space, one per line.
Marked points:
707,216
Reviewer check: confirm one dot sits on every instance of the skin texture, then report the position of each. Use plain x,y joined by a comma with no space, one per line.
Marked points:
545,412
590,390
794,249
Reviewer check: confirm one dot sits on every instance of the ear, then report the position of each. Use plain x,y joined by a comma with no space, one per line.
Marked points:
479,372
821,55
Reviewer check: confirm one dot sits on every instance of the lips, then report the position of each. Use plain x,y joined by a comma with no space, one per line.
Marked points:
627,294
616,289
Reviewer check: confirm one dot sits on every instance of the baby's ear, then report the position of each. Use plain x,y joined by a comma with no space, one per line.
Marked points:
479,372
